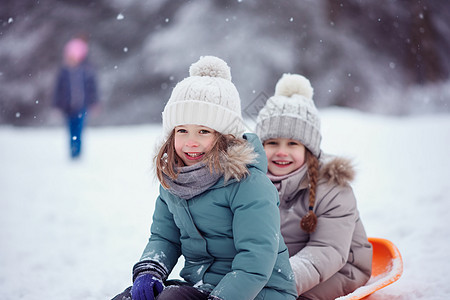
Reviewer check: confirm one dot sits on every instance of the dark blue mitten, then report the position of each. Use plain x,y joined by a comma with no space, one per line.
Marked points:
146,287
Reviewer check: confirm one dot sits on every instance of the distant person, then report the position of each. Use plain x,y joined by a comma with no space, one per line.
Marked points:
216,206
76,90
320,223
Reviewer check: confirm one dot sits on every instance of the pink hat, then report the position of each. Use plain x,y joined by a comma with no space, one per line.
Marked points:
75,50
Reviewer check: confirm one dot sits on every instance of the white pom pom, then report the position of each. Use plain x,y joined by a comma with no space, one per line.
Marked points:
210,66
294,84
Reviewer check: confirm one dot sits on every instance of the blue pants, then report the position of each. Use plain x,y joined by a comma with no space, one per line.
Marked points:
76,123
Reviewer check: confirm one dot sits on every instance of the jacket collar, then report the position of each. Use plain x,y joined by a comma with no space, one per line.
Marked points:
289,185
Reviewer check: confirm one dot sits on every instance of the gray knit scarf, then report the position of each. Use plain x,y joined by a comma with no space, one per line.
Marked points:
192,180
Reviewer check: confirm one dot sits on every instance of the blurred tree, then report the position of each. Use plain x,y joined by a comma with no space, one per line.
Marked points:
410,32
423,55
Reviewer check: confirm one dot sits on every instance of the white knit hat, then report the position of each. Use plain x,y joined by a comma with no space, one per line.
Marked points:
207,97
291,114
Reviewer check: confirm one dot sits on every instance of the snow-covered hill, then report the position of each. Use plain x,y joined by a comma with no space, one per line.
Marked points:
73,229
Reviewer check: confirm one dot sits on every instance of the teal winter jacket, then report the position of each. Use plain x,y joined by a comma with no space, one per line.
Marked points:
229,235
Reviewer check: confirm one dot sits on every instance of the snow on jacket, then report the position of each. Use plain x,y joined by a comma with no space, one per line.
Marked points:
229,235
336,258
76,89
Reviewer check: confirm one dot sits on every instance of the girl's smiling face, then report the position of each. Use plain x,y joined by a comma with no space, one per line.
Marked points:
193,142
284,155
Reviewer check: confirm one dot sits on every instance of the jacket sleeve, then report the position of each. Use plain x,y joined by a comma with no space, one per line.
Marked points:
256,224
328,248
163,248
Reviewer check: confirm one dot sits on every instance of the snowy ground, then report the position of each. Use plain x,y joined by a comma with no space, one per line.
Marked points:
73,230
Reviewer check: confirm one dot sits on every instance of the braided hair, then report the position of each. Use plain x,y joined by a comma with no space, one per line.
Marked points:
309,221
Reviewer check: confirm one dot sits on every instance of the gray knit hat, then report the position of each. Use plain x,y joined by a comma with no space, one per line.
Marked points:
291,114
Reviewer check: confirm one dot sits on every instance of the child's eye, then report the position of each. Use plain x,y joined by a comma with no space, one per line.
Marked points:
293,144
270,143
204,131
181,130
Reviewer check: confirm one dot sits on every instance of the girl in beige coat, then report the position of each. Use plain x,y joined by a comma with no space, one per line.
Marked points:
328,247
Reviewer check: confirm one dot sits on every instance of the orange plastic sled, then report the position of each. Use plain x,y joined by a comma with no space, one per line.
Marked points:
387,267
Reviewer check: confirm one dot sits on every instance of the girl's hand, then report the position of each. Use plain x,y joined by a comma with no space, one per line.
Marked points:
146,287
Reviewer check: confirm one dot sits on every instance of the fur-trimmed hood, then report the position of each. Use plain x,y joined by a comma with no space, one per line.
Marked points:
336,170
239,157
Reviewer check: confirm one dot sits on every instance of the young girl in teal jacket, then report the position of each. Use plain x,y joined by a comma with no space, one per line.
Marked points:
216,206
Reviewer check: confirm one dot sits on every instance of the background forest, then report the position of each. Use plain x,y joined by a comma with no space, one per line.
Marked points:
387,56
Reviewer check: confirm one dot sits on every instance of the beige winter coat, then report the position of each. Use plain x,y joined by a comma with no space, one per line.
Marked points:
336,258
